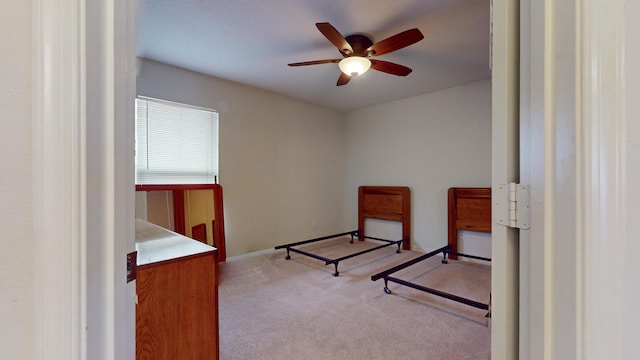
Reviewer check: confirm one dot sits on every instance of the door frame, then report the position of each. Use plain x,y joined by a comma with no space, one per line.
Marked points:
59,191
83,80
504,159
64,80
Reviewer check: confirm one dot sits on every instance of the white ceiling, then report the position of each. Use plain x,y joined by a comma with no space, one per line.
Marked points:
252,41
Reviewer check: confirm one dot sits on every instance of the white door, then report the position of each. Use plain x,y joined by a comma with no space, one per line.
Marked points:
535,272
578,82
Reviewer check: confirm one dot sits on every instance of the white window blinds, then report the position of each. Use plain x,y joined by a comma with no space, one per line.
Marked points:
175,144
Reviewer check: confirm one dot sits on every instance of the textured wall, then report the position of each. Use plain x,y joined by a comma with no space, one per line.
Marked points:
16,261
429,143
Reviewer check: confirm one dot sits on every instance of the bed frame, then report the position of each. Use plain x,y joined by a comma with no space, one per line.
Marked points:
391,203
469,209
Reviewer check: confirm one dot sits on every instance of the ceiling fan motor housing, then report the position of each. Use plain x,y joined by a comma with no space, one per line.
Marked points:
359,44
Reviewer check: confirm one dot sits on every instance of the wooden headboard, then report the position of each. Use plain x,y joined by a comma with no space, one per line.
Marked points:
386,203
469,209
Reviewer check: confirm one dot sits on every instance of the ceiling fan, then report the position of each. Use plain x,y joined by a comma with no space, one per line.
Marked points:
358,52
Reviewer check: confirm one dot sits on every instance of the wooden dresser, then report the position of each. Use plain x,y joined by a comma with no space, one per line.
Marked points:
176,283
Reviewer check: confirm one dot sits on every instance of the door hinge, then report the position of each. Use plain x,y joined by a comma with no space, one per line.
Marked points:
512,205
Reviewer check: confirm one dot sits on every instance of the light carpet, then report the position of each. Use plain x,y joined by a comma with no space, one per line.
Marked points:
272,308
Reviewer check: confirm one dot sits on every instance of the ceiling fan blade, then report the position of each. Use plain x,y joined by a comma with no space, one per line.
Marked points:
343,79
315,62
395,42
390,68
334,36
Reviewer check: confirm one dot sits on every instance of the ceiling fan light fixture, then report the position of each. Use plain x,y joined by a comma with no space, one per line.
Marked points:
354,65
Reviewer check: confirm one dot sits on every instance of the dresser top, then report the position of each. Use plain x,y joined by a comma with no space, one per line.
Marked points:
155,244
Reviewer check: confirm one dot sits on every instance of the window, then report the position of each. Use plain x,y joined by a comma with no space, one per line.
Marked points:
175,143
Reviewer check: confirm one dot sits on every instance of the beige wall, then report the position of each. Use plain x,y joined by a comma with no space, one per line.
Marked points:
16,258
429,143
281,160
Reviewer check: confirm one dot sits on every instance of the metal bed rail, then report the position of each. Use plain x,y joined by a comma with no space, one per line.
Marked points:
336,261
445,250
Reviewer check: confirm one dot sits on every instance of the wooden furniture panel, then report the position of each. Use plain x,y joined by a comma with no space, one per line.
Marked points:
177,311
468,209
199,232
391,203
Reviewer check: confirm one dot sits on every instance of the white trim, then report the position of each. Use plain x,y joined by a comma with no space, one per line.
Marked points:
59,182
602,171
548,271
123,91
106,94
504,159
550,114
